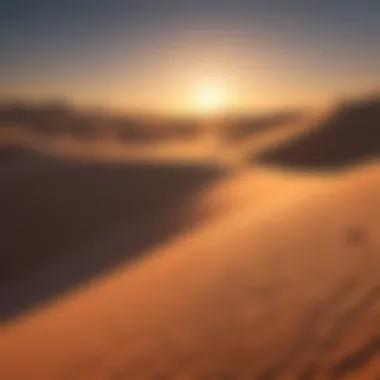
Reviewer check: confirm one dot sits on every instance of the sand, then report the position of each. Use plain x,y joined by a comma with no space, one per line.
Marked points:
282,288
271,273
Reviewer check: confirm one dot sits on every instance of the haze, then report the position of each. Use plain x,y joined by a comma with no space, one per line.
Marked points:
148,55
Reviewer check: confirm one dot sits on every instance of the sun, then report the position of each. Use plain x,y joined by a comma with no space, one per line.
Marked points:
210,98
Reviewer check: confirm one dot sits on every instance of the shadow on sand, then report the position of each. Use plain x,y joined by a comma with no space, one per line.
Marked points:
63,222
348,135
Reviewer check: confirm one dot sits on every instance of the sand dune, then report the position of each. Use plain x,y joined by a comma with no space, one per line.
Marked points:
84,216
350,133
243,272
286,288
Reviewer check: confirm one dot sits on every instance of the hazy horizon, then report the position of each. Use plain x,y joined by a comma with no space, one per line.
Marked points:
163,56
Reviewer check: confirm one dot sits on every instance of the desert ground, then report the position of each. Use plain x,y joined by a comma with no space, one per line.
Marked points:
256,258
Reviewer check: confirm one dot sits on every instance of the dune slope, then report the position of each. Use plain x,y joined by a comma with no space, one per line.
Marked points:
351,132
286,288
59,218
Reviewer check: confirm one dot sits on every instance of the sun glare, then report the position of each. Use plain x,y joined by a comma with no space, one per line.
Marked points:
210,98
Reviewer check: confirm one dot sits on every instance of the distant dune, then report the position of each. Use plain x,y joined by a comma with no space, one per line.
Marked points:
349,134
239,128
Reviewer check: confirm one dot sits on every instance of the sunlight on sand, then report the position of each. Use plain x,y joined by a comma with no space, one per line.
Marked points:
273,275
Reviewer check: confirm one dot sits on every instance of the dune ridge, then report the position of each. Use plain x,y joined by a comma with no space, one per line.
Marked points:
260,294
266,271
349,133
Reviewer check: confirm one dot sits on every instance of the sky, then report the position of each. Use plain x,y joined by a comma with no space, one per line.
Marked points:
154,54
